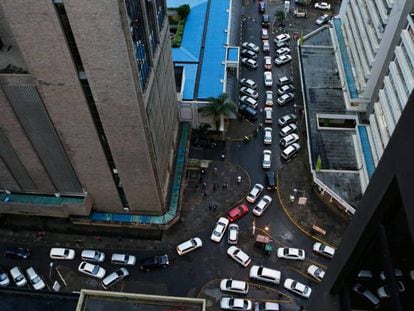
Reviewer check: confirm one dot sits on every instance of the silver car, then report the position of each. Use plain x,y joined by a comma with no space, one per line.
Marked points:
35,279
92,255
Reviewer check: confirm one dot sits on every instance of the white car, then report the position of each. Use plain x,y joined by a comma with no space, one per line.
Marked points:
316,272
249,83
265,274
249,101
35,279
189,246
288,129
291,253
286,119
234,286
267,159
267,140
267,63
264,34
290,151
284,37
92,255
62,253
92,270
123,259
266,306
263,204
114,278
230,303
269,98
284,80
289,140
322,6
238,255
383,291
248,53
249,62
268,115
323,249
285,98
18,276
219,229
254,193
322,19
249,92
265,45
268,80
4,278
233,234
250,46
297,288
283,59
282,51
285,89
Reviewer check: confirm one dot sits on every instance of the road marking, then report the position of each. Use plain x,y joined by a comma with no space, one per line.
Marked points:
273,290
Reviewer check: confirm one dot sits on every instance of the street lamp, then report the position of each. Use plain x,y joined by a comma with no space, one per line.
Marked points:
267,228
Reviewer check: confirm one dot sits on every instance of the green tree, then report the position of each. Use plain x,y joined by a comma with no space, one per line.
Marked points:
280,15
183,11
218,108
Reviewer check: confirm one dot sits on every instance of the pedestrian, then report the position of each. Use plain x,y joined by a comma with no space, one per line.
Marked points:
215,171
209,207
214,187
222,157
205,194
204,185
214,207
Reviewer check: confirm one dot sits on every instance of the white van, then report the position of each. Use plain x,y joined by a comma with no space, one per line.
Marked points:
265,274
268,112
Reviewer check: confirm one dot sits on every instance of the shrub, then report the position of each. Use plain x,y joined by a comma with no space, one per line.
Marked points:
179,34
183,11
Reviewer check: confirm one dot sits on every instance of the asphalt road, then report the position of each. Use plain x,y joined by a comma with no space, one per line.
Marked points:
197,274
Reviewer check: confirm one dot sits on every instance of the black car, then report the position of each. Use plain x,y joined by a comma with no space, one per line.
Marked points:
262,7
150,263
17,252
265,21
270,181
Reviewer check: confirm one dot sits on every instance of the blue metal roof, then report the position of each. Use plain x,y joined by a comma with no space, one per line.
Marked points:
190,75
366,150
233,54
212,68
345,59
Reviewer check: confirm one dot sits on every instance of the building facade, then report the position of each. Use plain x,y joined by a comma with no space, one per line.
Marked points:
88,105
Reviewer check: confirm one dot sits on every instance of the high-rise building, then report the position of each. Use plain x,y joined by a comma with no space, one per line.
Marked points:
88,114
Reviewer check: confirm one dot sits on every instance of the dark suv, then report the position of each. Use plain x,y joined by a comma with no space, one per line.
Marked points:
150,263
265,21
17,252
270,181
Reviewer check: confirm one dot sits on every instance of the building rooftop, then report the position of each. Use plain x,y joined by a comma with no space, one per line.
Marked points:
334,146
203,49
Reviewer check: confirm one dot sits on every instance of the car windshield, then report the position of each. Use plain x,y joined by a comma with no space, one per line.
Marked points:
19,278
95,270
96,256
36,280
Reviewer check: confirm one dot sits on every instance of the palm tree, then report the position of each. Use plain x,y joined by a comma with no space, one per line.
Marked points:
218,108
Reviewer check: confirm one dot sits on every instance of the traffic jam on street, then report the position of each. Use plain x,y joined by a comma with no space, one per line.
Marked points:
253,256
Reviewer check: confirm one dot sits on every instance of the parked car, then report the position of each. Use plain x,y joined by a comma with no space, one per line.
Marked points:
18,276
233,234
285,99
230,303
249,83
364,275
266,306
62,253
289,152
282,51
250,46
300,13
154,262
287,88
234,286
270,180
264,33
123,259
219,229
267,159
268,79
267,63
189,246
254,193
265,21
289,139
282,38
288,129
249,101
384,292
17,252
398,274
263,204
91,270
35,279
265,45
92,255
283,59
268,115
291,253
267,136
286,119
322,6
248,54
284,80
269,98
249,62
262,7
322,19
248,112
265,274
316,272
367,295
237,212
297,288
238,255
114,278
249,92
4,278
323,249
